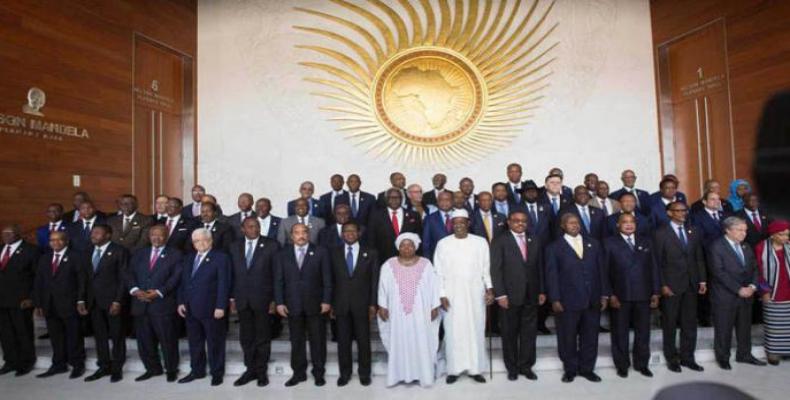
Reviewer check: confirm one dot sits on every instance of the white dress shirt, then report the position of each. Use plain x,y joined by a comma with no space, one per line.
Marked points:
13,247
265,224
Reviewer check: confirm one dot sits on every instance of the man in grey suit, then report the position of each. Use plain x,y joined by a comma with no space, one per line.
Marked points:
733,271
314,224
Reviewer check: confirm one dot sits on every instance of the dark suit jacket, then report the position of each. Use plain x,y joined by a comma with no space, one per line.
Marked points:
754,235
511,197
597,221
107,284
633,274
253,287
727,274
328,237
16,280
68,216
381,236
181,238
164,277
381,201
644,199
42,235
221,234
544,228
429,197
498,227
546,201
235,223
643,227
366,203
303,290
577,283
708,227
658,211
433,230
325,204
78,238
680,266
358,291
187,211
208,289
726,206
511,276
136,235
59,293
314,204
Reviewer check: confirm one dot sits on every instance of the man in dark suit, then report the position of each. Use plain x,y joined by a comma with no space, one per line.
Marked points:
60,294
712,185
129,229
252,298
303,292
641,197
336,196
578,290
517,278
634,279
708,219
628,206
467,188
192,210
18,263
106,291
502,204
756,220
355,277
361,203
306,190
154,273
80,232
245,203
221,233
485,222
55,222
680,260
203,296
592,218
553,198
565,190
73,215
160,210
591,183
540,225
332,234
386,224
178,227
398,182
437,225
513,185
430,197
659,201
733,272
270,224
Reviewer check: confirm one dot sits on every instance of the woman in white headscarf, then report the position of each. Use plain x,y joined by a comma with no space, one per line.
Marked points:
408,315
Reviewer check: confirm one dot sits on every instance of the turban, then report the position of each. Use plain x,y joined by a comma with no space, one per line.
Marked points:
407,236
459,213
778,226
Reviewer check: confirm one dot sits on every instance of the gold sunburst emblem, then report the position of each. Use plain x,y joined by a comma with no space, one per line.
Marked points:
450,90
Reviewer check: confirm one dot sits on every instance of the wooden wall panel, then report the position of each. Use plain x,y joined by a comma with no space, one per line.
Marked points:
80,52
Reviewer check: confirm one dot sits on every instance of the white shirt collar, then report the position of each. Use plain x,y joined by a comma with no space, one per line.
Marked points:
247,241
675,225
625,237
103,247
733,244
90,221
210,224
131,216
61,252
516,235
14,246
571,240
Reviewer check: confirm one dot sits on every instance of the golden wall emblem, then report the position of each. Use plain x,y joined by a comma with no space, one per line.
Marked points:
455,84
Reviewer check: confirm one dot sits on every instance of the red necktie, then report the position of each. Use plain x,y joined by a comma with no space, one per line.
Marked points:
447,226
55,263
152,262
169,225
756,222
395,224
6,258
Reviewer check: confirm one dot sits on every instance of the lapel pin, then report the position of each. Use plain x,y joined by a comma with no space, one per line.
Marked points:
65,259
529,240
109,253
589,245
311,253
208,259
19,251
260,245
639,248
364,255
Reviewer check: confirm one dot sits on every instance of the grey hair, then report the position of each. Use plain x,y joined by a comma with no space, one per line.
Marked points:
201,232
730,222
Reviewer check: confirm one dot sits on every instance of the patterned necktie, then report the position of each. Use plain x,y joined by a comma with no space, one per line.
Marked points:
516,194
300,258
55,263
756,222
248,254
126,223
169,225
6,257
354,206
154,256
630,243
522,245
603,207
96,259
195,265
487,225
350,260
395,223
682,236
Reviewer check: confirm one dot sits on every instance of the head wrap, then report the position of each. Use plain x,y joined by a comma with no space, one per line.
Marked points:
777,226
734,199
408,236
459,213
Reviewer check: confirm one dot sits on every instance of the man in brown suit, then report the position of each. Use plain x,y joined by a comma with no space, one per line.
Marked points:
129,229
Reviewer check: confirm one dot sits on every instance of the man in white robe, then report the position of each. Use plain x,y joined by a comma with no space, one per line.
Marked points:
462,262
408,315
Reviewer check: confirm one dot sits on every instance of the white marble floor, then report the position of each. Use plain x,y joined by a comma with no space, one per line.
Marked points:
762,382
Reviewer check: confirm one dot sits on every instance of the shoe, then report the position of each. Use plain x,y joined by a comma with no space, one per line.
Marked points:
6,369
544,330
603,330
725,365
146,376
512,376
342,381
568,377
244,379
23,371
216,380
693,366
646,372
263,381
622,372
320,381
44,336
116,377
529,374
591,376
172,376
365,381
191,377
295,380
100,373
77,372
751,360
52,371
773,360
479,378
451,379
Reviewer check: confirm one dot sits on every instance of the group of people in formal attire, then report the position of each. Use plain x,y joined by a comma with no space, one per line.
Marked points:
436,270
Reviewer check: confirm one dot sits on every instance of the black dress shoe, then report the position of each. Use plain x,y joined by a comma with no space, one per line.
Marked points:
529,374
77,372
295,380
673,366
601,329
320,381
512,376
6,369
479,378
622,372
171,376
116,377
23,371
244,379
263,381
342,381
591,376
146,376
216,380
646,372
751,360
725,365
451,379
568,377
100,373
52,371
692,365
191,377
44,336
544,330
364,380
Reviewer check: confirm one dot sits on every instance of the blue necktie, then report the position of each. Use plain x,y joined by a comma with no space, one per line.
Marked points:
248,254
350,260
554,206
739,251
195,265
630,243
585,219
533,214
96,258
354,208
682,236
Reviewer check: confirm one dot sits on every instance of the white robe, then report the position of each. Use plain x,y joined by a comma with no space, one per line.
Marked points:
463,266
411,340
